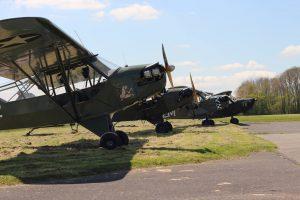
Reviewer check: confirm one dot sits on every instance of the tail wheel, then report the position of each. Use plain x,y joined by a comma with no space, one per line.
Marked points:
123,137
110,140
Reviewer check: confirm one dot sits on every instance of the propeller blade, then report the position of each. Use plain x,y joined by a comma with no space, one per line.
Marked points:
168,68
170,78
196,99
165,57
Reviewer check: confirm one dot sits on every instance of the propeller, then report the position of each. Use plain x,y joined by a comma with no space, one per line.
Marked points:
168,68
195,96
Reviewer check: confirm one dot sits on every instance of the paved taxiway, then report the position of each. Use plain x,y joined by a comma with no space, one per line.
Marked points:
259,176
286,135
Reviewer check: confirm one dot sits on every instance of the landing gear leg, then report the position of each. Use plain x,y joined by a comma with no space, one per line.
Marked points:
164,127
104,128
234,120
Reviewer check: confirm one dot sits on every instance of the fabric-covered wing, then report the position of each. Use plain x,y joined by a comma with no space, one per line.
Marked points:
228,93
34,43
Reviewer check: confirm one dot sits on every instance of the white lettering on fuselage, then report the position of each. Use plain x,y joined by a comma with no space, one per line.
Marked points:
169,114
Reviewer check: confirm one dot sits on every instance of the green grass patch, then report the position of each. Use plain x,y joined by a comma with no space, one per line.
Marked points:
54,153
266,118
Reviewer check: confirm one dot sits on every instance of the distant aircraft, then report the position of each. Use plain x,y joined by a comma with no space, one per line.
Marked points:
182,103
74,85
208,105
154,110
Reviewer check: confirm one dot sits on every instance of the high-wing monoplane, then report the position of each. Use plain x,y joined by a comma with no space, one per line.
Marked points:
50,79
153,109
208,105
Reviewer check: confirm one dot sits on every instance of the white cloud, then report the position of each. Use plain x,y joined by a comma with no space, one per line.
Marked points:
232,66
192,66
63,4
135,12
222,83
290,51
100,14
250,65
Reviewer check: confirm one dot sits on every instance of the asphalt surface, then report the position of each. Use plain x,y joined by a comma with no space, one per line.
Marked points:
274,127
259,176
286,135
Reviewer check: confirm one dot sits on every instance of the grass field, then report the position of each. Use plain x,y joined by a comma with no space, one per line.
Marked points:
266,118
54,153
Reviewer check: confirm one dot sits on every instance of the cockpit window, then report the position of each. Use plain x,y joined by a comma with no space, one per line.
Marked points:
151,73
147,74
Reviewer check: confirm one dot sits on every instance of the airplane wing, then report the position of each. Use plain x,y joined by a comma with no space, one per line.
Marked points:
228,93
33,44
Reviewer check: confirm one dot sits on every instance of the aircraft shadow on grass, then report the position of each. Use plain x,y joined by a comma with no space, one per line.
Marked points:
151,132
81,161
63,164
176,130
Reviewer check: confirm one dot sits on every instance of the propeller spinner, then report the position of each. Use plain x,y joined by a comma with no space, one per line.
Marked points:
168,68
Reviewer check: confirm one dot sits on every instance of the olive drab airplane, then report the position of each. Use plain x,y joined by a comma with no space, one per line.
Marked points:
182,103
207,105
153,109
70,83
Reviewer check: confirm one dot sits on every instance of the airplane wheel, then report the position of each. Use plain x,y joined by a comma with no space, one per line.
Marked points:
169,126
205,122
211,122
164,127
124,137
234,120
110,140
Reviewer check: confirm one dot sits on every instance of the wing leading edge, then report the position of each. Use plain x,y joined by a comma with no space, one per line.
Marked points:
33,43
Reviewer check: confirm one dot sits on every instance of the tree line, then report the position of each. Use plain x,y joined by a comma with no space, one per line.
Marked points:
279,95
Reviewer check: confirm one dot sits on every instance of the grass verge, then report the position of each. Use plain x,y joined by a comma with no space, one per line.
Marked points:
54,153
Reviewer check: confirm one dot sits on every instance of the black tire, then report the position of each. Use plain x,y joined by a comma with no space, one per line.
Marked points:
123,137
169,126
211,122
234,120
161,128
110,140
205,122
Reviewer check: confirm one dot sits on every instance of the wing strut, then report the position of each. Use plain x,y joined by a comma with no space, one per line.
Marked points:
66,83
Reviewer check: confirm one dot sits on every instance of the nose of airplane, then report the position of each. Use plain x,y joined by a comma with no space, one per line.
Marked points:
249,103
186,93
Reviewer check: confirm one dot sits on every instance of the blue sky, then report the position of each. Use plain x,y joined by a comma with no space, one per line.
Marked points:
221,42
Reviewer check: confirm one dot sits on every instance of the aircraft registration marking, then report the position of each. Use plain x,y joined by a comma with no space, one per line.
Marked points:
169,114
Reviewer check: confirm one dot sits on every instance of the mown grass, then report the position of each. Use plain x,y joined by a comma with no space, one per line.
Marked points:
266,118
55,154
